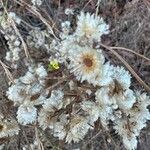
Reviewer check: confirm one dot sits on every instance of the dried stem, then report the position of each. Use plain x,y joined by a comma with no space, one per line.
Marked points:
36,13
9,75
132,51
40,144
97,8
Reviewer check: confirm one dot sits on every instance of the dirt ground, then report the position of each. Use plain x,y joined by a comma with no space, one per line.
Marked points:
129,22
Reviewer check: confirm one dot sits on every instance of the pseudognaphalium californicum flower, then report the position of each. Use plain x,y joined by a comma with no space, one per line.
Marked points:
86,64
8,127
91,26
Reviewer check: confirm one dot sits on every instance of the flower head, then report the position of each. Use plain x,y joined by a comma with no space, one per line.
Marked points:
126,130
8,128
86,64
26,114
91,26
77,129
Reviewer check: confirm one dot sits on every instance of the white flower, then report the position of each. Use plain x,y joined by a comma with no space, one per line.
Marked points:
122,76
69,11
86,64
130,143
104,104
78,129
28,78
26,114
126,130
45,118
125,100
16,93
92,109
41,71
65,29
66,45
2,146
55,101
106,78
91,26
59,130
139,112
36,38
37,2
8,127
29,88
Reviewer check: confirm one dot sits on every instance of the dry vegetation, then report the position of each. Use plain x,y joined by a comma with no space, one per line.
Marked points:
127,44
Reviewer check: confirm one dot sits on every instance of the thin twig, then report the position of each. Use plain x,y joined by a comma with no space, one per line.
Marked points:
97,8
36,13
56,84
132,51
147,88
93,138
109,135
40,144
86,5
24,134
9,75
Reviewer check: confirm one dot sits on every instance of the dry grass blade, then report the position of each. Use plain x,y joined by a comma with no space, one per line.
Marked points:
97,8
17,32
93,138
37,14
57,84
129,50
9,75
86,5
25,136
147,88
40,144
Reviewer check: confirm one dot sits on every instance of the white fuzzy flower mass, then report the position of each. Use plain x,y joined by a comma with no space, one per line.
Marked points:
55,101
83,88
91,26
78,129
26,114
8,127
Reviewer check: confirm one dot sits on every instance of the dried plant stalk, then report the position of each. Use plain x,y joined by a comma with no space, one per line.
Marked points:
132,51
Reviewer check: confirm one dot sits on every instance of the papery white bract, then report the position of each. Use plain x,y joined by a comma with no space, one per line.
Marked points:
8,127
91,26
122,76
125,100
104,104
26,114
126,130
55,101
78,129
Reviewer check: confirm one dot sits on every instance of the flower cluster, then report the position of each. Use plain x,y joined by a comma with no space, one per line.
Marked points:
39,39
27,92
90,88
10,35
